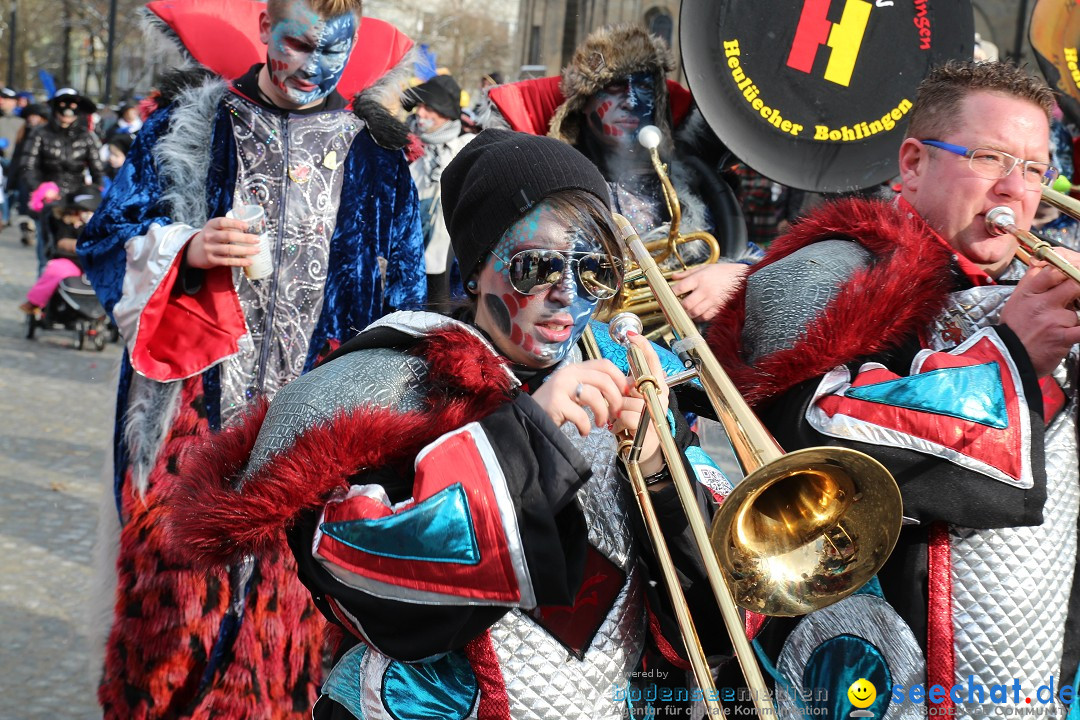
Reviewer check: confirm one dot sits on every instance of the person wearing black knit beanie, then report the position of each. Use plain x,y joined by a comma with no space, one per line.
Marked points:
498,177
450,490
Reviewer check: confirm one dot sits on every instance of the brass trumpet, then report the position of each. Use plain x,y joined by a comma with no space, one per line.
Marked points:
800,532
637,297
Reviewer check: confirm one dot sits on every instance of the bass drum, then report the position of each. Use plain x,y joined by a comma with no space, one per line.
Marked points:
817,94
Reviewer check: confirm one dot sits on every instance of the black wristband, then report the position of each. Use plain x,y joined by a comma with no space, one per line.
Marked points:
657,477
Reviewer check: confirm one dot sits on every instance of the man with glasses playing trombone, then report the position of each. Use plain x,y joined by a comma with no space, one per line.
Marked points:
911,331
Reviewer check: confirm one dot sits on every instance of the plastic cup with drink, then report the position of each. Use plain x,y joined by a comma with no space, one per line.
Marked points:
262,264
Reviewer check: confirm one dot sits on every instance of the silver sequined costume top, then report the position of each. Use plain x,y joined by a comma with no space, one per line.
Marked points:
292,166
1011,586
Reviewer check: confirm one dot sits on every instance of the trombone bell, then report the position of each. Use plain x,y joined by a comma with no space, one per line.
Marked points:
806,530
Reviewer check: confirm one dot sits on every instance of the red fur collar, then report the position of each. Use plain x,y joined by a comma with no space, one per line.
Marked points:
212,523
876,310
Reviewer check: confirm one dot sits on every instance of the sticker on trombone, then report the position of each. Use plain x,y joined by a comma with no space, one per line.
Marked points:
708,473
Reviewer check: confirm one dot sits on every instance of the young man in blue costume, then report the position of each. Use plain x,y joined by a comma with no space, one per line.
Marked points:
202,339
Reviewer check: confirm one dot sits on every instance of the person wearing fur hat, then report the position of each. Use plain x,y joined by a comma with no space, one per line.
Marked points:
437,120
614,85
449,486
327,204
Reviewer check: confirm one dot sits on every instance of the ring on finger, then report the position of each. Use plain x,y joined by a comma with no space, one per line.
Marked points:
577,392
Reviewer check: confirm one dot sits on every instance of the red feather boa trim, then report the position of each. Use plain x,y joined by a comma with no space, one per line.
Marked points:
212,523
880,306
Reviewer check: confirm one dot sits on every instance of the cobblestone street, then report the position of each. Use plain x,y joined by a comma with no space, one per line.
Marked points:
56,406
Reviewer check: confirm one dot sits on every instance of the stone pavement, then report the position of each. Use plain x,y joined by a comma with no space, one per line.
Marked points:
56,407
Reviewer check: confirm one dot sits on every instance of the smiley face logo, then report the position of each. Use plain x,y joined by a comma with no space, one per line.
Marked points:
862,693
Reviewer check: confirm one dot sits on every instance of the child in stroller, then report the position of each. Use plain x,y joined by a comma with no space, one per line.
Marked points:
62,296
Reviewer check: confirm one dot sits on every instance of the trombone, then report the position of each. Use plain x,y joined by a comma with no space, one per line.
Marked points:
1001,220
800,532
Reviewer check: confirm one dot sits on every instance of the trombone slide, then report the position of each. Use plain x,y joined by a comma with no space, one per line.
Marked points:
656,414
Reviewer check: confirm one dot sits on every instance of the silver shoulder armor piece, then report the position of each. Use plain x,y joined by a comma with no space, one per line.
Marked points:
377,377
783,298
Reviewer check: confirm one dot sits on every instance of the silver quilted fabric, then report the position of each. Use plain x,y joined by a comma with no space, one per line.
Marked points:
544,681
386,378
1011,586
864,616
783,298
286,166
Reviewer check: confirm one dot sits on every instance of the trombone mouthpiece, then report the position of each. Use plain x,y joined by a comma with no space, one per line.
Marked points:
622,325
649,137
999,219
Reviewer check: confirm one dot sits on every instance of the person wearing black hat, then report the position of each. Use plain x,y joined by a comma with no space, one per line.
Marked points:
118,147
449,486
10,123
437,119
64,151
63,222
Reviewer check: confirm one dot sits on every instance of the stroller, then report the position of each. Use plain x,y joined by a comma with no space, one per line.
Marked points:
74,307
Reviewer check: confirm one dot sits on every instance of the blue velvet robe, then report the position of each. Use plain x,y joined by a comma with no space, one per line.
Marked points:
378,216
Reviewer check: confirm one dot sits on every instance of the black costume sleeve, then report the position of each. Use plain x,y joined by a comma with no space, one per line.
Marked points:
32,161
94,166
542,471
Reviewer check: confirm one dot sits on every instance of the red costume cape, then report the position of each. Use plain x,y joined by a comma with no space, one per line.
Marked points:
879,307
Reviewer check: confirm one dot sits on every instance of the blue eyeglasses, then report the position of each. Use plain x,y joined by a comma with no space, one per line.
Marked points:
995,164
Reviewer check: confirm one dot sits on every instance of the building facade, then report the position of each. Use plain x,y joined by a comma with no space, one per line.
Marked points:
549,30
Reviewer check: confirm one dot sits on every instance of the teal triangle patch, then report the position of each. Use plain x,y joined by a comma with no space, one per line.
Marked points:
970,393
438,529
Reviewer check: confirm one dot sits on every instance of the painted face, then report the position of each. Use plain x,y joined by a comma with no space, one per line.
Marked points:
534,330
306,53
954,200
615,112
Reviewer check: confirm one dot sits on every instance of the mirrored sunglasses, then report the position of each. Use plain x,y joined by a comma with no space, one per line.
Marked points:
534,271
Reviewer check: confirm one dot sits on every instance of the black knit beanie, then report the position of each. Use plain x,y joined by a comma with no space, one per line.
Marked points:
497,178
441,93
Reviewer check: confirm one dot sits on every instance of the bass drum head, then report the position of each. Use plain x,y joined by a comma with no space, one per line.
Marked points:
1055,37
816,94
